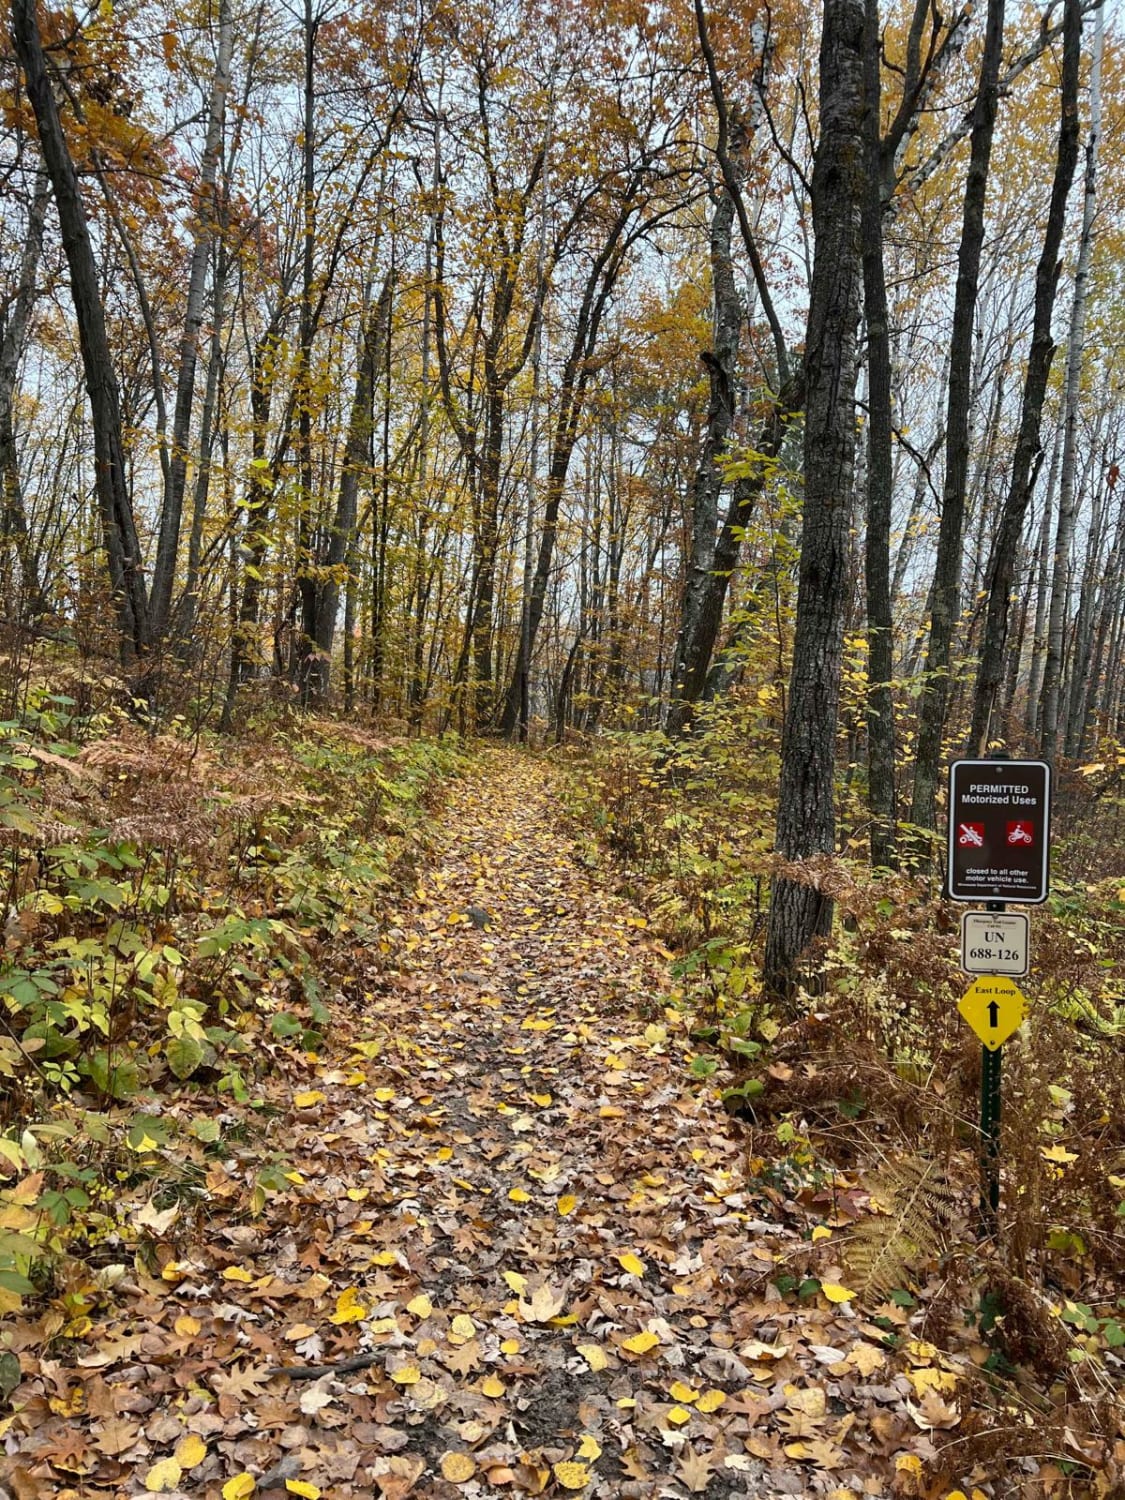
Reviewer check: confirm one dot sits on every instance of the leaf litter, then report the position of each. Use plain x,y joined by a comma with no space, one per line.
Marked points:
513,1250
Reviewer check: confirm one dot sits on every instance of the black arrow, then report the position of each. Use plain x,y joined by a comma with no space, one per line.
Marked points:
993,1014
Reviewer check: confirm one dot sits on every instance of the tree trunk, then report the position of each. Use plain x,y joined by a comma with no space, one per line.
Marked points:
1043,568
689,673
13,517
119,530
947,570
205,228
1068,505
806,820
880,471
1028,455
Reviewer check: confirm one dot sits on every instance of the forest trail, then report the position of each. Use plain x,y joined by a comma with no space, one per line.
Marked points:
515,1252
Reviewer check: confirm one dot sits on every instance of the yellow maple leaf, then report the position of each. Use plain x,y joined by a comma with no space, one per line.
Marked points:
566,1204
457,1467
303,1488
631,1263
641,1342
836,1293
190,1451
307,1100
572,1476
349,1309
1059,1154
165,1475
594,1355
239,1487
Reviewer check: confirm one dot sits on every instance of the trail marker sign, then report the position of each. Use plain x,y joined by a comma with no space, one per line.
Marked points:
994,1008
999,830
995,942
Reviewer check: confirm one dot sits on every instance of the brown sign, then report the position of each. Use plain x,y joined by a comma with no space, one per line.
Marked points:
999,830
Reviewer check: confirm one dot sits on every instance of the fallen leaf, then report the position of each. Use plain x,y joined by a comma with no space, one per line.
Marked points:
457,1467
572,1476
641,1342
165,1475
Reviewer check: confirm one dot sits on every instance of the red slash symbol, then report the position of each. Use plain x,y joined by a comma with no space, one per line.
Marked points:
1021,833
970,835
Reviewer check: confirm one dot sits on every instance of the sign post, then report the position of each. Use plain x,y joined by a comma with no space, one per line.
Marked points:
998,851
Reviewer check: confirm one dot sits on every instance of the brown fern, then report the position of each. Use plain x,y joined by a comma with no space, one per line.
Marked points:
885,1248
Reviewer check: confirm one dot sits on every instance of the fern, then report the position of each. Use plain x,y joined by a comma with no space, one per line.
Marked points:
884,1248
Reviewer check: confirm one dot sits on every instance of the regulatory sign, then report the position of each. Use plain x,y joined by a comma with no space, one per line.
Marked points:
994,1008
999,830
995,942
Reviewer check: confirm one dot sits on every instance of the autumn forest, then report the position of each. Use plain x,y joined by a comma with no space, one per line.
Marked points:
508,513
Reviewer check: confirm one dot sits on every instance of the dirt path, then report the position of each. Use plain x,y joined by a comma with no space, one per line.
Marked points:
514,1252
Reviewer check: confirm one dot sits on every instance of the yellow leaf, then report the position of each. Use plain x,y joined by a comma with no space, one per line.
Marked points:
190,1451
682,1393
303,1488
631,1263
572,1476
541,1099
957,1495
836,1293
1059,1154
711,1400
516,1282
457,1467
236,1273
406,1375
462,1329
509,1346
186,1326
517,1195
641,1342
239,1487
306,1101
492,1387
589,1447
544,1304
610,1112
679,1415
420,1306
165,1475
908,1463
821,1232
349,1309
594,1355
566,1204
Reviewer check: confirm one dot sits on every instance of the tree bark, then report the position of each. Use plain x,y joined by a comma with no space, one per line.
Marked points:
806,820
1028,454
115,506
947,569
880,471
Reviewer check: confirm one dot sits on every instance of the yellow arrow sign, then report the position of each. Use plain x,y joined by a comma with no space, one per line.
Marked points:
994,1007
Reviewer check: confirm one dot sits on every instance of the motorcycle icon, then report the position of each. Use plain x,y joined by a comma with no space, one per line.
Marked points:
1021,833
970,835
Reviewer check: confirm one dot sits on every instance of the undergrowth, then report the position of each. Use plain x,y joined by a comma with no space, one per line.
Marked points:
861,1106
177,909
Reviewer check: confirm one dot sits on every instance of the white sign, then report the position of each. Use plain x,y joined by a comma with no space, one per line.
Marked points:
995,942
